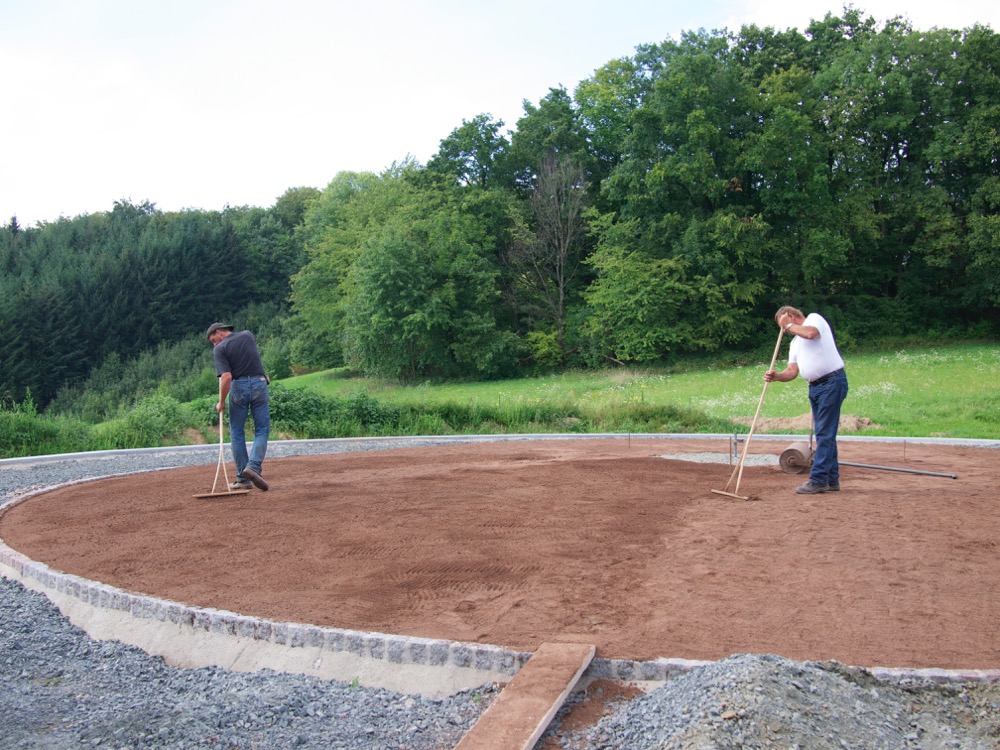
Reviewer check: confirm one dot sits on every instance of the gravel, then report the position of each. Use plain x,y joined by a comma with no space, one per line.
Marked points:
61,689
766,701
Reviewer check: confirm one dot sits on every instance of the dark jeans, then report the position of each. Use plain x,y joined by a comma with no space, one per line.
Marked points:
249,396
826,399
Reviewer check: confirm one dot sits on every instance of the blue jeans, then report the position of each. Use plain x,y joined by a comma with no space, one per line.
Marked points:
826,399
249,396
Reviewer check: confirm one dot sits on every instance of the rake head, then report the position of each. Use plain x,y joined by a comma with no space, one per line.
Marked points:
738,497
227,493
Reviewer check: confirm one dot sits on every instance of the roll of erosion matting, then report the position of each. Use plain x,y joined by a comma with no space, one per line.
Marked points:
796,458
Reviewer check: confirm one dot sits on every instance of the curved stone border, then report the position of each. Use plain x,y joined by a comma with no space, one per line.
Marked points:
188,636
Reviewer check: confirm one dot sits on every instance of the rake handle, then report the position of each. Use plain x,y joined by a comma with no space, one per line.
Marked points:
222,463
738,471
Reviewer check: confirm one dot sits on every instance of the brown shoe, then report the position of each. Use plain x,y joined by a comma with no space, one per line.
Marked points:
806,489
256,478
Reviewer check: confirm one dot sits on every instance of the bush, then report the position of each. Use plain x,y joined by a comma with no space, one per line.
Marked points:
368,412
298,410
24,432
544,347
147,424
418,423
277,360
308,414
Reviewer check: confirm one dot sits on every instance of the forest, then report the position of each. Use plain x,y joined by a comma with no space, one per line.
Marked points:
663,208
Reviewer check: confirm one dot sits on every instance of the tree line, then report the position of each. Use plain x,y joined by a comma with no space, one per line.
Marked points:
665,207
85,295
673,202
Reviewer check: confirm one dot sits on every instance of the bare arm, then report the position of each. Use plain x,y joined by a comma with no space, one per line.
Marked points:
789,373
789,325
806,332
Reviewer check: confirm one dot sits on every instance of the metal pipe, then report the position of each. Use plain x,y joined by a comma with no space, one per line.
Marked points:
907,471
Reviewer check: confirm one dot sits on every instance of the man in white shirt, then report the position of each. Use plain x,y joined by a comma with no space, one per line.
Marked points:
813,355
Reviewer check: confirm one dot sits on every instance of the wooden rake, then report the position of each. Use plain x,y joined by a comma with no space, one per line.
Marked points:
738,471
221,465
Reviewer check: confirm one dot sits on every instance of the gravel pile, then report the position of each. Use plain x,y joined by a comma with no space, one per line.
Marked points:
750,701
61,689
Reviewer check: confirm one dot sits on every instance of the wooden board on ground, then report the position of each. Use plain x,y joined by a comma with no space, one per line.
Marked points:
523,710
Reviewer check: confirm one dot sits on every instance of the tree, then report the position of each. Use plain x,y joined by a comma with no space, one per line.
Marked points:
402,278
474,154
114,282
636,300
962,161
545,261
333,232
687,210
606,105
422,297
553,128
44,343
270,241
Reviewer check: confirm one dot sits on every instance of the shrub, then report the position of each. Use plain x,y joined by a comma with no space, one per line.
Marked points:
544,347
147,424
294,409
368,412
24,432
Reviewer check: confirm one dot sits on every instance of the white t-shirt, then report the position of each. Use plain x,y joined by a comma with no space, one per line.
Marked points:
815,357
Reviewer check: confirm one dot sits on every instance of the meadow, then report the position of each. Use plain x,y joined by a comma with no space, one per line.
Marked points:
951,392
934,392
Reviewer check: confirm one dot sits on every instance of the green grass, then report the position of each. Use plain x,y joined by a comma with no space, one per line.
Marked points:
916,392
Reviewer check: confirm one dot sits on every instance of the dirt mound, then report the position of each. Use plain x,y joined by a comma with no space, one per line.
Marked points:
803,422
194,437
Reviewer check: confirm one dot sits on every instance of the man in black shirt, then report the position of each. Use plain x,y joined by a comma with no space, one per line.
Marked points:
242,378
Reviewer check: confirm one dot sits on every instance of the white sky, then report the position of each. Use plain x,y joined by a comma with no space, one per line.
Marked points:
208,103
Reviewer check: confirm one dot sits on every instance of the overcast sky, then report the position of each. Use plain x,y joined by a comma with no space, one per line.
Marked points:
208,103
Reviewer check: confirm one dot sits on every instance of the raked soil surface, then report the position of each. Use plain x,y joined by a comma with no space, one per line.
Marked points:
597,541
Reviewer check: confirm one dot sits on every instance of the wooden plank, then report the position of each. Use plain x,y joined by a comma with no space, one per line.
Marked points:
523,710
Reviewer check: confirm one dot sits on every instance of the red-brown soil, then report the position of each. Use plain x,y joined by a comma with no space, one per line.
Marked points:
597,541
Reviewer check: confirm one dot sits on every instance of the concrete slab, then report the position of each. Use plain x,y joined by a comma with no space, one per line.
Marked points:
519,716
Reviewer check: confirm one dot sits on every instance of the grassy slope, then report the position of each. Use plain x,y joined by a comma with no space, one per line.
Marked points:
934,392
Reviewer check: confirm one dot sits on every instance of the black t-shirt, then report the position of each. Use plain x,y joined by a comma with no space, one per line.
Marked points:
238,354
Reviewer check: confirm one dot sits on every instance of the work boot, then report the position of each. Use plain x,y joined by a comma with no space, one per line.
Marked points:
241,485
811,489
833,487
256,478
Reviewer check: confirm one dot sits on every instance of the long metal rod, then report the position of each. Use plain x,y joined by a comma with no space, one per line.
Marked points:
906,471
